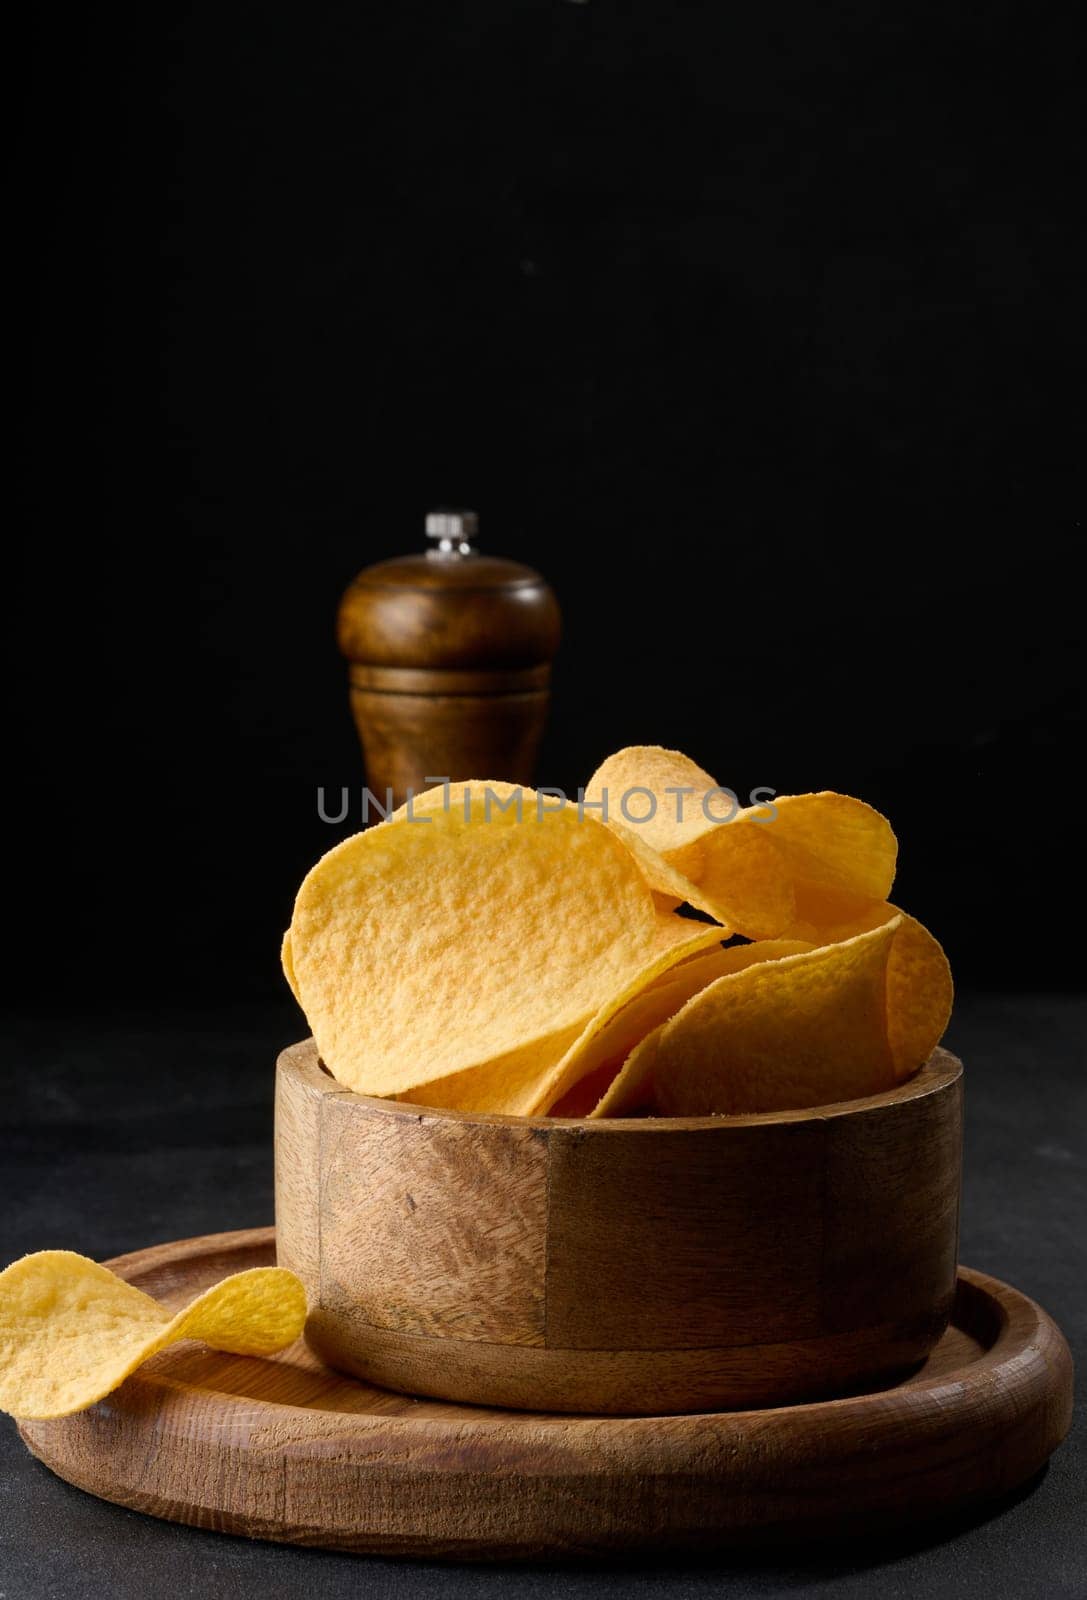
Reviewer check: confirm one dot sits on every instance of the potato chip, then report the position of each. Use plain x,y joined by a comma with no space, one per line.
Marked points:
622,1024
920,992
671,778
287,960
833,843
739,879
504,1084
524,1084
761,874
804,1030
670,886
456,797
71,1330
475,936
618,1093
836,852
917,1001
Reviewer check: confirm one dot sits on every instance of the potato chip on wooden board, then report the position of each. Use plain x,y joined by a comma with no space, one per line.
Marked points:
71,1330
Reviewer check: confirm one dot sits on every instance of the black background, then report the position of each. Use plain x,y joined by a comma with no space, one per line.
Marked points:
756,329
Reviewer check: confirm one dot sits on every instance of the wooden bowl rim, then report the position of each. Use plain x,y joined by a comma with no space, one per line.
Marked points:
940,1071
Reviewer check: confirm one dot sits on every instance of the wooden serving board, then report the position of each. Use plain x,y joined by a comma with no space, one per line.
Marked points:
286,1449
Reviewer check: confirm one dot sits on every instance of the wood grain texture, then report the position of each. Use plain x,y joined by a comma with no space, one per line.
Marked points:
300,1099
397,1255
652,1265
286,1449
408,737
450,668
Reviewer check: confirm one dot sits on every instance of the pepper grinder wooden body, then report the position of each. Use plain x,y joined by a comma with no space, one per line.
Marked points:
449,657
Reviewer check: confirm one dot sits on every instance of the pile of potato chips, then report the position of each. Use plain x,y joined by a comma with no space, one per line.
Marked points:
486,949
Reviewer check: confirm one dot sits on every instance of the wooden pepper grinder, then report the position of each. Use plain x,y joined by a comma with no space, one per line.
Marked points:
450,662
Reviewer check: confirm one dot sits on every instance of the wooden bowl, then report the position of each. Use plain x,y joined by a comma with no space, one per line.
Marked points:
627,1266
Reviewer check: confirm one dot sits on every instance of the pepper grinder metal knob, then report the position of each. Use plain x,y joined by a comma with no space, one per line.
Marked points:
453,532
449,655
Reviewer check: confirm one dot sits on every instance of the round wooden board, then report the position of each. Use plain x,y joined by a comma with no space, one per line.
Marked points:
288,1450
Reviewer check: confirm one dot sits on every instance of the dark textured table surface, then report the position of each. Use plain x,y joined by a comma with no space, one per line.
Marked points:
124,1134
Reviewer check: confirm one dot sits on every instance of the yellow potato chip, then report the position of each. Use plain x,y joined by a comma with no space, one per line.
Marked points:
622,1024
288,965
475,935
920,992
820,911
525,1083
504,1084
804,1030
71,1330
833,843
631,1087
920,995
670,886
773,870
739,876
675,784
664,807
741,879
627,1017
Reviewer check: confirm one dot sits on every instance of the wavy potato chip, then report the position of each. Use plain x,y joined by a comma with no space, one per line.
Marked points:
71,1330
916,1006
835,852
731,871
741,879
287,962
769,871
834,843
475,937
670,886
805,1030
676,784
920,992
779,1035
618,1028
524,1085
631,1087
